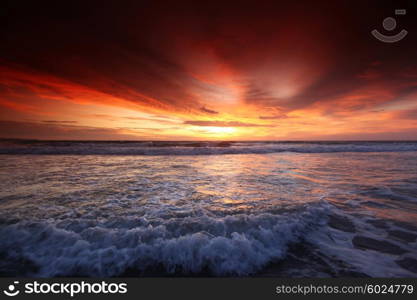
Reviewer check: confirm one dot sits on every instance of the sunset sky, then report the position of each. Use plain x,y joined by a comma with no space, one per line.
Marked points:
171,70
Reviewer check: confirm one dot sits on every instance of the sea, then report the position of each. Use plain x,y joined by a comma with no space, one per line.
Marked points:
239,209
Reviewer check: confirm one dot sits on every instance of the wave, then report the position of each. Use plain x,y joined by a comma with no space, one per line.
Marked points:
231,245
196,148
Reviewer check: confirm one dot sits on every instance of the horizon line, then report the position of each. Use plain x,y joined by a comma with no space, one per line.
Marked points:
194,141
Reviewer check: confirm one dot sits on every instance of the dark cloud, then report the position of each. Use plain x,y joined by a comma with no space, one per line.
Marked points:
209,111
140,50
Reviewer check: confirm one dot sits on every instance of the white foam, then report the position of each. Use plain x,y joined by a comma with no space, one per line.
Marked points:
338,244
235,245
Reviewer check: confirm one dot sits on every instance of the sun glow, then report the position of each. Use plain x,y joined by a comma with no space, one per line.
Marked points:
219,131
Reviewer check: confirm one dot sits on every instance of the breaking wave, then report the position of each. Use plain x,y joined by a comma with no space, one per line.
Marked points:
231,245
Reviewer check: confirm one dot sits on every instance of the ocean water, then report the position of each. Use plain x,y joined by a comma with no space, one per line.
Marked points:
208,209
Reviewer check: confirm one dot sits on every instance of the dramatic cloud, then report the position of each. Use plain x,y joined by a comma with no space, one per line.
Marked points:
268,69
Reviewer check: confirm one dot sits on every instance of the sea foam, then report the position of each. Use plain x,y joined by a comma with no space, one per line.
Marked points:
232,245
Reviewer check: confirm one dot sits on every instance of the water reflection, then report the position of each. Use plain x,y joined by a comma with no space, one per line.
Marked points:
207,184
231,213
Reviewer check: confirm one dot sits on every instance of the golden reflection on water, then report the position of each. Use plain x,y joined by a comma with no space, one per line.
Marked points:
380,184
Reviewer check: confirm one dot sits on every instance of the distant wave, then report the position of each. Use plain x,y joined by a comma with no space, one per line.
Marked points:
196,148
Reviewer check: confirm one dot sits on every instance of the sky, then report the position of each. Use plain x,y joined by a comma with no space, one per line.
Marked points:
221,70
